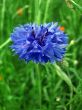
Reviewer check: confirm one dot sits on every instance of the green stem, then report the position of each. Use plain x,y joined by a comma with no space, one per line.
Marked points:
5,43
78,6
39,84
46,10
71,97
3,14
37,11
74,3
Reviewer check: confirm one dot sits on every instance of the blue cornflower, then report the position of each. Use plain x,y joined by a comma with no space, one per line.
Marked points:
39,43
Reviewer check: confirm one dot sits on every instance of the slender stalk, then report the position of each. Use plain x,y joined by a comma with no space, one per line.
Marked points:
39,84
46,10
78,6
70,2
5,43
71,97
3,14
37,11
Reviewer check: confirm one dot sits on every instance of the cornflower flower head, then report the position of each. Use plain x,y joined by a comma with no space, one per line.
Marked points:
39,43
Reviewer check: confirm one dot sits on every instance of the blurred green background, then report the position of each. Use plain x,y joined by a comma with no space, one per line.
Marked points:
28,86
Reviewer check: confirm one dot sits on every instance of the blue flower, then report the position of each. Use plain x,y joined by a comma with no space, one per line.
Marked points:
39,43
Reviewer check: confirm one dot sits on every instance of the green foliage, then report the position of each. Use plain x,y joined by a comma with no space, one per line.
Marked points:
30,86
